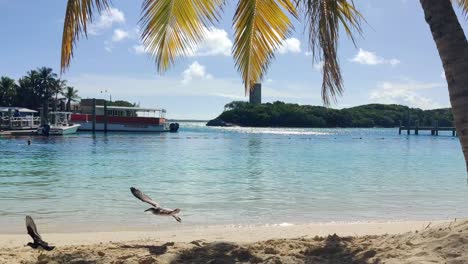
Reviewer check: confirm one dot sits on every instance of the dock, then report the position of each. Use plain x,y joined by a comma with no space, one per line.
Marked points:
435,129
18,132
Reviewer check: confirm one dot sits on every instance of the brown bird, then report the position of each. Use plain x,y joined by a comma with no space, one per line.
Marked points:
156,209
32,231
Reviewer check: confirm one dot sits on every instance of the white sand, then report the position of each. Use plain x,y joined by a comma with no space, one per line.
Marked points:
366,243
223,233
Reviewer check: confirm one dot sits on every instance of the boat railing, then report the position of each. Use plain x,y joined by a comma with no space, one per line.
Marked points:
21,122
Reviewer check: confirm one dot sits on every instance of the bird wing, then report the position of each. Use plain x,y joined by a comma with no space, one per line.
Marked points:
32,229
143,197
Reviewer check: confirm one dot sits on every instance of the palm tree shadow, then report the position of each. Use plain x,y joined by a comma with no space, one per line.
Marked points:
153,250
217,252
337,250
69,258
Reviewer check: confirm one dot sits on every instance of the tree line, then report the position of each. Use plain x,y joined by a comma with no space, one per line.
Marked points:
279,114
39,88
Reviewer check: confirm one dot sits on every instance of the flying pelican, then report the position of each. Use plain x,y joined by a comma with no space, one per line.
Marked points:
32,231
156,209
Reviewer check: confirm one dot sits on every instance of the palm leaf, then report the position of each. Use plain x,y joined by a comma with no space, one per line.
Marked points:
260,28
77,16
173,28
323,19
464,6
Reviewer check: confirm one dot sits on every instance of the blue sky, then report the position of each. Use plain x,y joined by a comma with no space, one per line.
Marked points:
396,60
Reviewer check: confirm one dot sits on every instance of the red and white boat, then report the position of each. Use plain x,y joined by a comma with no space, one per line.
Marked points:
129,119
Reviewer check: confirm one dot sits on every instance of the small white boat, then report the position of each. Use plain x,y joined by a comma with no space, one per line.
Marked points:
59,124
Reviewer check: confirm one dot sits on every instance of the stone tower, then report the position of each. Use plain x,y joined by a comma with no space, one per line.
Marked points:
255,95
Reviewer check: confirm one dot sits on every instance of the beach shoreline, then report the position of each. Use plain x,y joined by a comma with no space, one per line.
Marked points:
232,233
397,242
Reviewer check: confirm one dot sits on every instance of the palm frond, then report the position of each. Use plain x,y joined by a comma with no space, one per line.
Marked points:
77,16
260,28
173,28
323,19
463,4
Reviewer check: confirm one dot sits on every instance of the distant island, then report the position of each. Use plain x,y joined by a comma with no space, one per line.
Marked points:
280,114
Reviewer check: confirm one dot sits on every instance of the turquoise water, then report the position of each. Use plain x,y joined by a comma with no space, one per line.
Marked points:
238,176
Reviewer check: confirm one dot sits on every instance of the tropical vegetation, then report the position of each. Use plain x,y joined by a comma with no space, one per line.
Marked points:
71,95
38,89
171,28
121,103
279,114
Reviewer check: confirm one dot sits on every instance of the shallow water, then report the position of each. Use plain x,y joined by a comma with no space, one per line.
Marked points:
230,176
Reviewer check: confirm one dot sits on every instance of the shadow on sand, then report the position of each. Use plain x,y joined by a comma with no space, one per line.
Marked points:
217,252
330,250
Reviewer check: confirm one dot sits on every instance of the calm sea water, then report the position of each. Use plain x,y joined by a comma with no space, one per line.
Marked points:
230,176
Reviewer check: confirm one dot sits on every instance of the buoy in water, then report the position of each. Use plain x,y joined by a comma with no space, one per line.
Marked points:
174,127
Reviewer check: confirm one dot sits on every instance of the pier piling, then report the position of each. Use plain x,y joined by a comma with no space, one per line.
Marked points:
105,116
434,128
94,115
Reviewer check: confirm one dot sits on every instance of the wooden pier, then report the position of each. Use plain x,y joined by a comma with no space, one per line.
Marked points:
435,128
24,132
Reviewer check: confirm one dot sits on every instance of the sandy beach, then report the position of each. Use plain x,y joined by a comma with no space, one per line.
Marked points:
393,242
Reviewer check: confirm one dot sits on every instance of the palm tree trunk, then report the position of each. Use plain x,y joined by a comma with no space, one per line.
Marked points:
68,105
453,50
55,102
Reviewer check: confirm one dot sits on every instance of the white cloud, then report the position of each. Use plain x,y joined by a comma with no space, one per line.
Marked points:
442,75
308,53
370,58
216,42
318,66
405,93
292,45
201,84
107,20
139,49
108,46
195,71
119,35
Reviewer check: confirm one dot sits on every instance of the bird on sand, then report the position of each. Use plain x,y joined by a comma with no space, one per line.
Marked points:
155,209
32,231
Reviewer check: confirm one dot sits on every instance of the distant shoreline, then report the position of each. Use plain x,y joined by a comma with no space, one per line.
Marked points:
285,115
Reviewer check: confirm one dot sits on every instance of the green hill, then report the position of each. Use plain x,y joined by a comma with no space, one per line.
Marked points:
279,114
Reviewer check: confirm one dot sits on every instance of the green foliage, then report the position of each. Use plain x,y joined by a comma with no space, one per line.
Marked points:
279,114
71,95
121,103
38,88
7,91
41,88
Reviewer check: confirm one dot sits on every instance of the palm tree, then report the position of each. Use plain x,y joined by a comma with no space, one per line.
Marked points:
7,91
58,88
25,95
71,94
43,82
171,28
